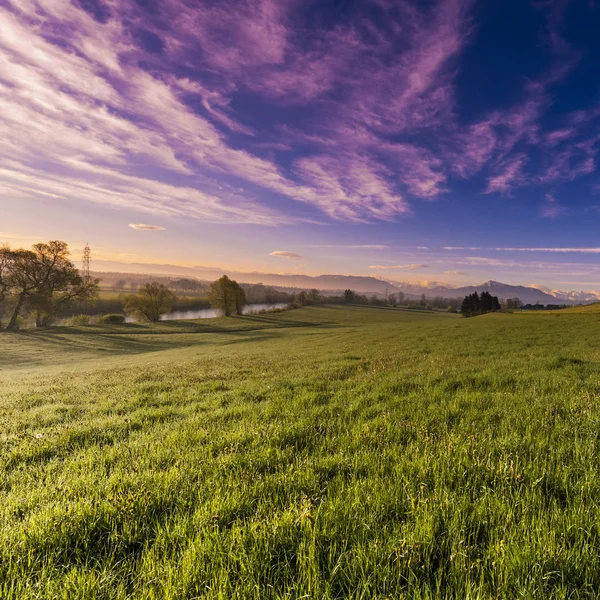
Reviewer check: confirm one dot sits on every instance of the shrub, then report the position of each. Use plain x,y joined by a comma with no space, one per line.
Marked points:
114,319
80,320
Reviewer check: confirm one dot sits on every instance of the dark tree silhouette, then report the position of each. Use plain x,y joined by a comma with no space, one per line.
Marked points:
474,305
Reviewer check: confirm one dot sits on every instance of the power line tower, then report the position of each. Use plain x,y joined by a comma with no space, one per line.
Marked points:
87,259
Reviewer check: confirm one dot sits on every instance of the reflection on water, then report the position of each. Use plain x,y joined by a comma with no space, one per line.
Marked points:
211,313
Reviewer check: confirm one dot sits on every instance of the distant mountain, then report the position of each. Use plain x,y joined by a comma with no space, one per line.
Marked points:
336,284
111,266
504,291
570,297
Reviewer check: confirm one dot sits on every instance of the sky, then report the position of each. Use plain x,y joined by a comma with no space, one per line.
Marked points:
453,141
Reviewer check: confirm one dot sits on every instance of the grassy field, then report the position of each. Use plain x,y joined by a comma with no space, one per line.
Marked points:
326,452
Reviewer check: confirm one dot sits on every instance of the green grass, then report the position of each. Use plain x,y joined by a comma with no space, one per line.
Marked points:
318,453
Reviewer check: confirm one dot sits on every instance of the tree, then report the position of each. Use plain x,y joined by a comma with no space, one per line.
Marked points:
486,302
269,296
302,298
239,297
495,304
465,308
513,303
42,280
225,295
314,296
151,302
4,280
349,296
60,282
22,275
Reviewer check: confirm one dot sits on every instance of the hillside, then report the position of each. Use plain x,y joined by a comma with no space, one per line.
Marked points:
326,453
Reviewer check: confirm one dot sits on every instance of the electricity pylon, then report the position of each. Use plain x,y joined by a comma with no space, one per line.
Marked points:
87,258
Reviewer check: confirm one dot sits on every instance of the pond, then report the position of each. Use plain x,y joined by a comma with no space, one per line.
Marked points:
211,313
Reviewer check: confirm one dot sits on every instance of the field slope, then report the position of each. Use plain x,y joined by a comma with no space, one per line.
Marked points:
327,452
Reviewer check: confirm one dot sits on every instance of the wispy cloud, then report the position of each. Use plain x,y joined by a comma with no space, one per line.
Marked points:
558,250
379,131
409,267
454,273
348,188
286,254
551,207
144,227
352,246
83,182
452,248
509,175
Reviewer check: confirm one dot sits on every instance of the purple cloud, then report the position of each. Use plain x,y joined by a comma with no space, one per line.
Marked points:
551,207
145,227
92,114
409,267
559,250
509,175
348,188
286,254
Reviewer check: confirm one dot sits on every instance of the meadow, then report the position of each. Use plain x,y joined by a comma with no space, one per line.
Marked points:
324,453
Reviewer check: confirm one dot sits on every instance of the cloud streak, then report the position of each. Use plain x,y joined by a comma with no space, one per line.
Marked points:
552,208
352,246
408,267
555,250
286,254
144,227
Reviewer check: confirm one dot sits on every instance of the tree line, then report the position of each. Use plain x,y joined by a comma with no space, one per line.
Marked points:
43,283
400,299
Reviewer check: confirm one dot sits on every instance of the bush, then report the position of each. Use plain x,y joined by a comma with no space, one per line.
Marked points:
80,320
114,319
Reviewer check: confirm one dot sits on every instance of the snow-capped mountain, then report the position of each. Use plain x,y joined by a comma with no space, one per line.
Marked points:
570,296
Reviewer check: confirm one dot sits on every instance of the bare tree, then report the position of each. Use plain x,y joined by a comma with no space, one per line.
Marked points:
151,302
